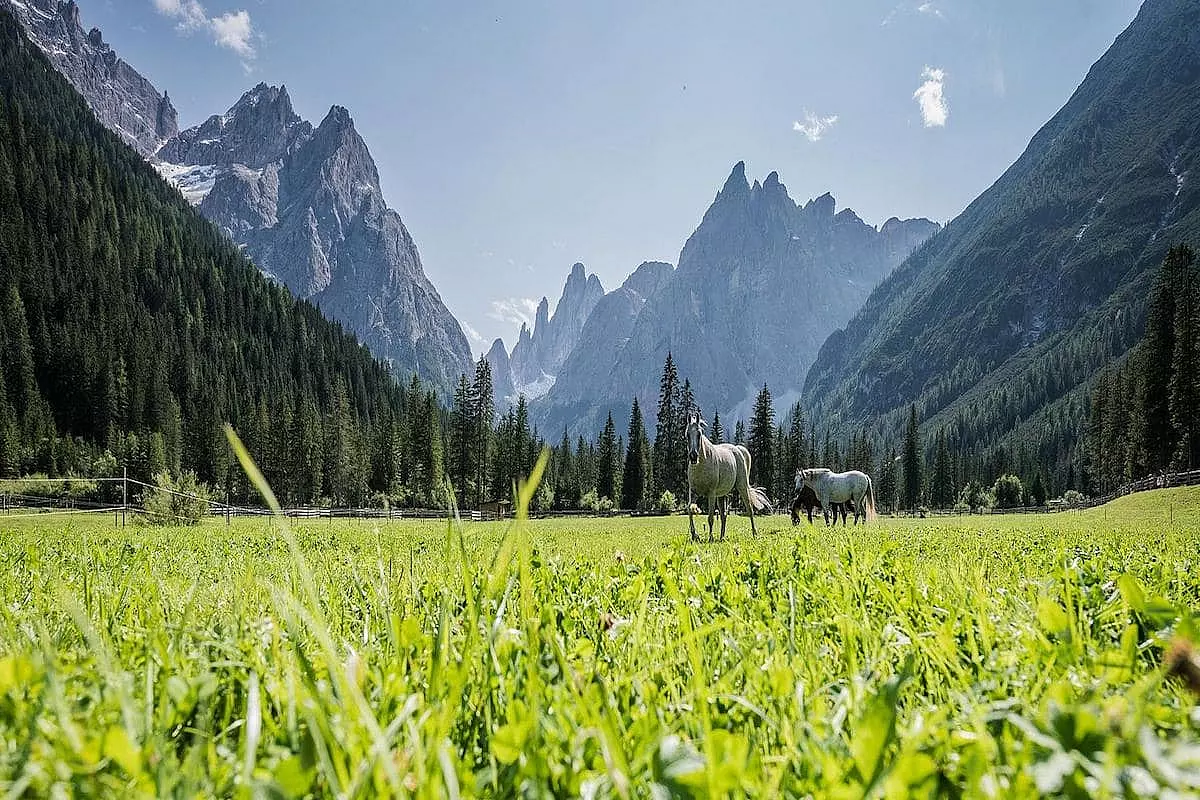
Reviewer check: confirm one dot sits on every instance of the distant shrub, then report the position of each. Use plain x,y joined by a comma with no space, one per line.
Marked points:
543,498
590,501
605,505
961,508
1008,491
177,502
1073,498
976,498
666,502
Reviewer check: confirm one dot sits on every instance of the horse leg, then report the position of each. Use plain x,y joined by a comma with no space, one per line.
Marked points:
724,501
691,519
712,504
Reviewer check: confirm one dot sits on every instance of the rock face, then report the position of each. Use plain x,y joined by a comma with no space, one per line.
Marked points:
307,207
760,285
503,391
996,323
259,130
121,98
304,203
539,354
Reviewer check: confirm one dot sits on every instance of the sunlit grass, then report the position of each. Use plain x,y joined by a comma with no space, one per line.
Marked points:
1001,656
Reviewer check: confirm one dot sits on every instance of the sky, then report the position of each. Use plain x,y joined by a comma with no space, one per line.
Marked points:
516,138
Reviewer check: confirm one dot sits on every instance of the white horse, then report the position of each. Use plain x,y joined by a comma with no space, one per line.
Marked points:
838,487
714,471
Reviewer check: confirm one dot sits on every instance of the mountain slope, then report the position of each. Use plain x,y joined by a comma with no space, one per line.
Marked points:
128,323
305,203
996,322
759,286
539,354
124,100
307,206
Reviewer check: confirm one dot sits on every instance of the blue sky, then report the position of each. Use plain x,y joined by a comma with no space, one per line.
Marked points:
516,138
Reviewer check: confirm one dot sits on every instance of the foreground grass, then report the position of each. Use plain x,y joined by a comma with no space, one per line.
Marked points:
985,656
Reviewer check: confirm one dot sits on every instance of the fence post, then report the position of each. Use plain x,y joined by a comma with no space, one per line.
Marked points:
226,507
124,493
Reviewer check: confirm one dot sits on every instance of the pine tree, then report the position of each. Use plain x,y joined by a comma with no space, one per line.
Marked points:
669,466
483,419
1183,398
739,432
912,461
606,476
462,440
633,478
941,489
717,434
762,443
888,490
1157,436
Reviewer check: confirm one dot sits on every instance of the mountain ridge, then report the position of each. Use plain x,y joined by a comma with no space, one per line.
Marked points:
751,247
1048,265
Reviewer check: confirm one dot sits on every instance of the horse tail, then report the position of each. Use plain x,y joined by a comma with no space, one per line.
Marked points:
759,499
871,499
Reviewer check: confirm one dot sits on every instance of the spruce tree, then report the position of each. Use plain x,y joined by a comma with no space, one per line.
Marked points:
1158,437
483,418
669,467
462,441
762,440
912,461
941,489
717,434
1183,400
606,448
633,478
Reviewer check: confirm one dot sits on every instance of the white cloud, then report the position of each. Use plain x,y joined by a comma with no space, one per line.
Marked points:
473,334
931,97
514,310
927,8
814,127
232,30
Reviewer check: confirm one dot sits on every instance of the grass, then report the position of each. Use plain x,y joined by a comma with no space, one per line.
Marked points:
976,656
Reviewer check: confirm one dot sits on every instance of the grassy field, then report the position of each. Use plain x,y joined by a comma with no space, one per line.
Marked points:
975,656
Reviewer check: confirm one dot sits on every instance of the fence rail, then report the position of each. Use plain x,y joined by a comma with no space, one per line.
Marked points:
13,504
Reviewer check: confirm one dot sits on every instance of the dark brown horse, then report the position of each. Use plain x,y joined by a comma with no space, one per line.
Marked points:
807,501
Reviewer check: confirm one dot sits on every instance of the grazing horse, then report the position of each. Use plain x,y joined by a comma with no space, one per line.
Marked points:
807,501
840,487
716,470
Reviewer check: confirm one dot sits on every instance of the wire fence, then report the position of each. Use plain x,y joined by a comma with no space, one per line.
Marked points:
27,503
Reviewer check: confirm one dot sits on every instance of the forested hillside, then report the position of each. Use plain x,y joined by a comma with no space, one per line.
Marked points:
996,328
131,329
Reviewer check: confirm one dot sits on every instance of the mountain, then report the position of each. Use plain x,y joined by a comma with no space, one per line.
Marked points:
304,202
123,99
760,285
995,327
539,354
504,392
611,321
306,205
131,329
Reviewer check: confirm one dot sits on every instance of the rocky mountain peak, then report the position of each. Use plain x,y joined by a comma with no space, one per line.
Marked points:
736,184
260,128
752,241
122,99
538,355
822,207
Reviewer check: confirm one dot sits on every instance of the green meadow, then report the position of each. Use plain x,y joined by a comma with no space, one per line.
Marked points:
977,656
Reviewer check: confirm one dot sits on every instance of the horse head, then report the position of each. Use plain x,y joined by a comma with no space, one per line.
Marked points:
694,432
